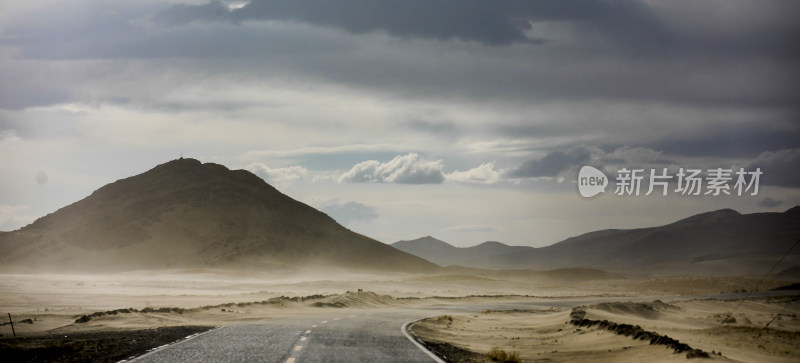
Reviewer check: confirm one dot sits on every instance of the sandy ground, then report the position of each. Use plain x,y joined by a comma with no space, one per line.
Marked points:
44,306
549,335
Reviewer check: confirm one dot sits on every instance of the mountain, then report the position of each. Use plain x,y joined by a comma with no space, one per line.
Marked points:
185,214
444,254
434,250
722,242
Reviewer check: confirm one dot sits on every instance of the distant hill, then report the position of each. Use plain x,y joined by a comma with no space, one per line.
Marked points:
444,254
722,242
185,214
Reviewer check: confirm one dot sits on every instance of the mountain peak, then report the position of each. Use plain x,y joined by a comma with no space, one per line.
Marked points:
712,216
186,175
444,254
182,160
795,211
177,165
425,242
184,165
490,244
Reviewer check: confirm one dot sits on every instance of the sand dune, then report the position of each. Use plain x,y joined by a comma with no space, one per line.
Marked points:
549,335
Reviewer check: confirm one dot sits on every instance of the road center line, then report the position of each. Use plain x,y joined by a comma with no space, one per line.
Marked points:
290,360
297,348
308,331
302,339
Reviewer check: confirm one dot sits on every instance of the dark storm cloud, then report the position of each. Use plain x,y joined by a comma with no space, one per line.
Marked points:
28,95
620,24
520,52
551,164
769,203
180,14
82,30
617,50
733,141
484,21
200,42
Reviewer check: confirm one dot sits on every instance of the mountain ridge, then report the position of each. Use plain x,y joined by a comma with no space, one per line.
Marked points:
448,254
716,242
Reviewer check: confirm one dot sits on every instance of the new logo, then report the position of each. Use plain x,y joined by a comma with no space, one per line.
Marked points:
591,182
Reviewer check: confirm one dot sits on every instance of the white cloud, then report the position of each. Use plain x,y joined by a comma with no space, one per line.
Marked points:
348,212
9,216
278,176
484,174
403,169
779,167
9,135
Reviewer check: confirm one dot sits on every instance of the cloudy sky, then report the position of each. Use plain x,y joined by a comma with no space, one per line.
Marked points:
466,120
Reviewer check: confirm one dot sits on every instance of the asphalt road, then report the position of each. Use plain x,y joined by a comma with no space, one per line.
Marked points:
333,335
